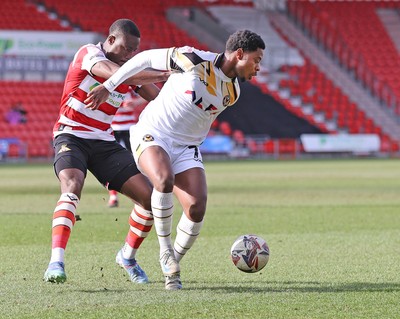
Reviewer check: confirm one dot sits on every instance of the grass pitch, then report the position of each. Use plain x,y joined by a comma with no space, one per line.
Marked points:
333,228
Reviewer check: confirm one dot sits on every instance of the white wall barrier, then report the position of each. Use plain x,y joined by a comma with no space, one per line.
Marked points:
44,43
353,143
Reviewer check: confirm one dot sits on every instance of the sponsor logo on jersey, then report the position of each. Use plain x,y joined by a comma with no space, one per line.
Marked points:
96,56
203,81
64,148
148,138
93,86
115,99
226,100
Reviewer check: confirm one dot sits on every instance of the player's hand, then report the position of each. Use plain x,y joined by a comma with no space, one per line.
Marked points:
167,74
96,97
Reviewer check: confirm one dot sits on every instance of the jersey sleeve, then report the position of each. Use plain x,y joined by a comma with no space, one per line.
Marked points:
180,59
155,59
90,56
185,58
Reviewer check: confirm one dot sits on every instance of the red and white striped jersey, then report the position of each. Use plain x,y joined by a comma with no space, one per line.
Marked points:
74,118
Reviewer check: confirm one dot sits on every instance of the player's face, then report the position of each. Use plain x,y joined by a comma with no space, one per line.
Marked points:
122,48
249,64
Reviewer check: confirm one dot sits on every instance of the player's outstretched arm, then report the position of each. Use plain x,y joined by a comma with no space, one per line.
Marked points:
155,59
106,68
148,76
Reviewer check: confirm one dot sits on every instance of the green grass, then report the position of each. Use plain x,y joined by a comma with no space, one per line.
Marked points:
333,228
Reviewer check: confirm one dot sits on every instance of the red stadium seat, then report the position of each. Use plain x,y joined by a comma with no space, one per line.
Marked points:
42,111
353,31
26,17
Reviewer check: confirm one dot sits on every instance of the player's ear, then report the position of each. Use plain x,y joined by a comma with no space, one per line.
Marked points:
111,39
239,54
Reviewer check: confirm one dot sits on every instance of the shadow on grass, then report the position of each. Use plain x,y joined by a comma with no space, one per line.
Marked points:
104,290
133,286
273,286
297,286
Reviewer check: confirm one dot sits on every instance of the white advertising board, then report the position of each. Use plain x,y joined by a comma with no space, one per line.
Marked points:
356,143
44,43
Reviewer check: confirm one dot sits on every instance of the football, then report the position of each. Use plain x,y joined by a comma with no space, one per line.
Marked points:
250,253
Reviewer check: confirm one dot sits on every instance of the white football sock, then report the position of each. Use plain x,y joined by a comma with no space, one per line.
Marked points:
187,233
57,254
162,205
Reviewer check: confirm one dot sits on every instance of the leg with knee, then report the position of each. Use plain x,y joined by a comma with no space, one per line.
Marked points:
64,218
191,190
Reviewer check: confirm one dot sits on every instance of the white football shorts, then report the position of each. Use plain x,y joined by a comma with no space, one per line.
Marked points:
183,157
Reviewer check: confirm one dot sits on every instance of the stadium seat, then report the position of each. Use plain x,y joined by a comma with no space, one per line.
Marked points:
26,17
225,128
353,32
41,101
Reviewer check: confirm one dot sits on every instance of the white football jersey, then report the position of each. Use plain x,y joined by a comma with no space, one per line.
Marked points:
191,99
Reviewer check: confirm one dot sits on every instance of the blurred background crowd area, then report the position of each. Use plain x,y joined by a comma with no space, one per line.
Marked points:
329,83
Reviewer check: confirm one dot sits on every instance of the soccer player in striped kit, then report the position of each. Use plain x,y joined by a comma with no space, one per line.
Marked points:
83,140
165,141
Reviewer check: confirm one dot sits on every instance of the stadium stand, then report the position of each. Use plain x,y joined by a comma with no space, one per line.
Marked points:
305,95
150,16
41,101
355,34
309,91
23,15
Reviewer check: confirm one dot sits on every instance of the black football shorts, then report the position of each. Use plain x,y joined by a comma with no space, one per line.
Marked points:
108,161
123,138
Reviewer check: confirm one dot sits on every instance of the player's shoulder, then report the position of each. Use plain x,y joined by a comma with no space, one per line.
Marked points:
196,55
90,49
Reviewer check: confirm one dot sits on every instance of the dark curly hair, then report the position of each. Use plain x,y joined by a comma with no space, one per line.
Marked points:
125,26
245,39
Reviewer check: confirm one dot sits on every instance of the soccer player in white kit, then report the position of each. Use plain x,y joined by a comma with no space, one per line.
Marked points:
165,141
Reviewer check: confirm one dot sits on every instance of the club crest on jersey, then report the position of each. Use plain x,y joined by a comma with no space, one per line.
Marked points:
226,100
148,138
64,148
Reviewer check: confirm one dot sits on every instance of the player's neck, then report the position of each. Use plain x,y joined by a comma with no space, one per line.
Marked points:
228,65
